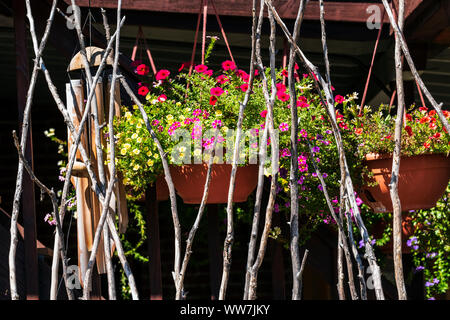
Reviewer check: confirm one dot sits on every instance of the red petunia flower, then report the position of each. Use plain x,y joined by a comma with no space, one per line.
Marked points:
408,129
143,91
263,113
283,96
426,145
244,87
228,65
213,100
209,73
142,69
432,113
284,73
437,135
217,91
201,68
339,99
162,98
425,119
280,87
423,109
162,74
408,117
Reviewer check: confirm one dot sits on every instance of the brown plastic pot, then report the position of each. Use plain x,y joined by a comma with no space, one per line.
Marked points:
189,181
422,181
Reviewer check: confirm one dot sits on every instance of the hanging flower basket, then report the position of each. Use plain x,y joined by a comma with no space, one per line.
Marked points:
422,181
189,181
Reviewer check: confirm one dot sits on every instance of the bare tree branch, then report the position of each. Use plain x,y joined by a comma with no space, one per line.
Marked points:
396,205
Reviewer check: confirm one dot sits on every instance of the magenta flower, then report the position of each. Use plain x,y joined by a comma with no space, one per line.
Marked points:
339,99
217,123
228,65
284,127
162,74
201,68
216,91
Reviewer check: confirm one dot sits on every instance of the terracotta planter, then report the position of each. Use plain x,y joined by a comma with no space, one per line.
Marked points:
407,232
422,181
189,181
162,190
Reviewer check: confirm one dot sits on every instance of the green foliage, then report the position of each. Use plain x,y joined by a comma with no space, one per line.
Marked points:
432,237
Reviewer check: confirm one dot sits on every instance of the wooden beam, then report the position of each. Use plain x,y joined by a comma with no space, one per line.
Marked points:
334,10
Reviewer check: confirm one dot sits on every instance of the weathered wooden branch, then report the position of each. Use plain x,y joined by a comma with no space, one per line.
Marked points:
293,178
24,135
270,101
51,194
256,43
396,204
229,239
299,275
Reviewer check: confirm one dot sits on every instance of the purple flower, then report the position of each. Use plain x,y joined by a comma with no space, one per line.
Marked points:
287,204
328,132
411,241
315,149
432,298
319,137
320,187
325,175
276,208
436,280
415,247
361,244
429,284
301,180
420,268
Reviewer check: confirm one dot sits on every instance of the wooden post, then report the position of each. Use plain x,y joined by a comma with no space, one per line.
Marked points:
214,251
154,251
28,203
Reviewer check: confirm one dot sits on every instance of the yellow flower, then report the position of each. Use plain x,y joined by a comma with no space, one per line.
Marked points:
178,104
139,125
139,140
206,157
169,117
123,151
218,113
136,151
136,167
127,146
135,107
128,115
150,162
182,149
134,136
149,153
126,181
